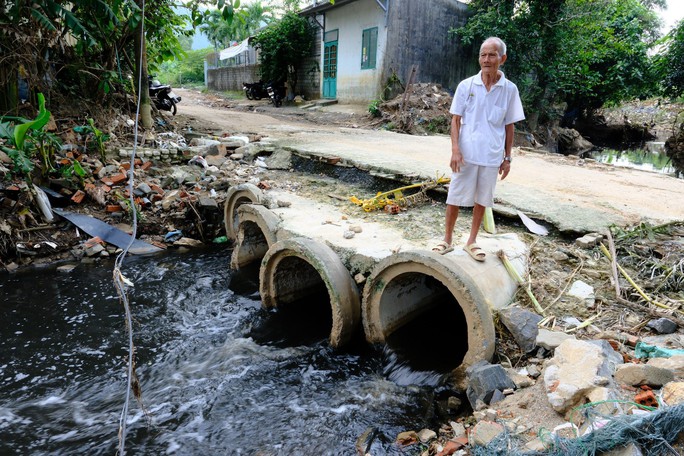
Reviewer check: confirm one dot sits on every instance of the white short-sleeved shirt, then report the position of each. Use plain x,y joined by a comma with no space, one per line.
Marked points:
484,116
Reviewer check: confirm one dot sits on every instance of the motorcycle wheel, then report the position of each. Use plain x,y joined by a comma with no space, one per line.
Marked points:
173,107
256,95
278,102
249,94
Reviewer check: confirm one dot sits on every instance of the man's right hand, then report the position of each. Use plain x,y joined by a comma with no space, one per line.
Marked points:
456,160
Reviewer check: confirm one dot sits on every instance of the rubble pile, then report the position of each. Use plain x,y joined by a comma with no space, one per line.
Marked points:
424,111
178,196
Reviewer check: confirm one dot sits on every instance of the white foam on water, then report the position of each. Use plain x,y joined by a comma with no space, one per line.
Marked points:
52,400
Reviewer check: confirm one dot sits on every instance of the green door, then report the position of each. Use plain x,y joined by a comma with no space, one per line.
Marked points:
330,70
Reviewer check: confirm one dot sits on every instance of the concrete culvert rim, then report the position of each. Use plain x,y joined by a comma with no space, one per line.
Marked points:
236,197
396,293
283,279
257,227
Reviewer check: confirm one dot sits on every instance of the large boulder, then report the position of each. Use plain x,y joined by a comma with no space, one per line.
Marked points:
577,369
571,142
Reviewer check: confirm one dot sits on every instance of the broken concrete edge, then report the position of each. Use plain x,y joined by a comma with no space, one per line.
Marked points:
508,211
342,290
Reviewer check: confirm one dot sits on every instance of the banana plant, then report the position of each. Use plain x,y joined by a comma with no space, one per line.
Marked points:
16,135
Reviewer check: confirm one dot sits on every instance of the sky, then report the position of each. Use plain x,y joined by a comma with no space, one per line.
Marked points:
673,14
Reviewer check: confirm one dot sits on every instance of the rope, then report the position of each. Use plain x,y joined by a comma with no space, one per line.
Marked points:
120,281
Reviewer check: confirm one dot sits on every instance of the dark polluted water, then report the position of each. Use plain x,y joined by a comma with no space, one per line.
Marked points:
219,375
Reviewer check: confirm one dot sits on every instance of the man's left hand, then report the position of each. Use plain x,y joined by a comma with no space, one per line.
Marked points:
504,169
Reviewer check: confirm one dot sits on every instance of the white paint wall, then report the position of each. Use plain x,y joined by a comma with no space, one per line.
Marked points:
353,83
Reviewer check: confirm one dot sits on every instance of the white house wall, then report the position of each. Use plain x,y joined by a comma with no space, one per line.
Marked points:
353,83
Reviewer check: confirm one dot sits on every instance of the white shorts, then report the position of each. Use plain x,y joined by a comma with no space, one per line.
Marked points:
473,184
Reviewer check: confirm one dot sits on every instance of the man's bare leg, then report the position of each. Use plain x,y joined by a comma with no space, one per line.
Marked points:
478,215
450,222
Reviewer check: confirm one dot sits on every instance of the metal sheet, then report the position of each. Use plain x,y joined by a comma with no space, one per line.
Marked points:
107,233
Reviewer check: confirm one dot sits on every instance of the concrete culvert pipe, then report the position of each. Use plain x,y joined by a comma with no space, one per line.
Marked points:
236,197
256,233
444,302
296,269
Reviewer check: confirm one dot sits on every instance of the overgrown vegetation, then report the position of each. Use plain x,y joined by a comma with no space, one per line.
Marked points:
282,45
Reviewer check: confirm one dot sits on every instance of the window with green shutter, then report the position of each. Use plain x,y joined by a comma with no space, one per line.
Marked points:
369,48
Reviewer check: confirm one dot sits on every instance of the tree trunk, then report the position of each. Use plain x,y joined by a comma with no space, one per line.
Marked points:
141,61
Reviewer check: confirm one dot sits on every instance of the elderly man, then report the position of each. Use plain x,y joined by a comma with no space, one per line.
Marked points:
484,109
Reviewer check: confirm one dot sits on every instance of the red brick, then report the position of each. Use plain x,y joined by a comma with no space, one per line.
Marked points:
92,241
126,166
78,197
106,188
114,180
156,188
113,208
147,165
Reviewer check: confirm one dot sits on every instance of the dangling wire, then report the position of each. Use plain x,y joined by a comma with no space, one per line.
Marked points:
120,281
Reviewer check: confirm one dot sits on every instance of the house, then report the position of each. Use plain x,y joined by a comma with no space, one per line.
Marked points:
368,45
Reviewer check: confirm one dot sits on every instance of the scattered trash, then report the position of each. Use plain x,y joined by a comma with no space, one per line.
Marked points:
644,350
220,240
199,161
533,226
173,236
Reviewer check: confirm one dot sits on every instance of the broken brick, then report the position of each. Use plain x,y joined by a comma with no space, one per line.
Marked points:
126,166
113,208
264,185
646,398
156,188
147,165
115,179
78,197
93,241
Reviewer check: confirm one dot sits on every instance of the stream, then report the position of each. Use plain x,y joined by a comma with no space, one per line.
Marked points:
219,375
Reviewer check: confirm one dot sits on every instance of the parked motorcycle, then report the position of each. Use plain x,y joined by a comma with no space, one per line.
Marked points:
162,96
255,90
276,92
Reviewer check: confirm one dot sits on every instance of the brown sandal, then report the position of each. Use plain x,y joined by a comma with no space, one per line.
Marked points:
442,248
475,251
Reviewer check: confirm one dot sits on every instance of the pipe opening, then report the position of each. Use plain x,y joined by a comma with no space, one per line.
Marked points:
432,333
252,245
302,313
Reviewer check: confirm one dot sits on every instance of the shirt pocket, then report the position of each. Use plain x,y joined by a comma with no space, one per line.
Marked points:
495,115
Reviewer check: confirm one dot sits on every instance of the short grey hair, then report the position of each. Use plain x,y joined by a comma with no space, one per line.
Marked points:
498,42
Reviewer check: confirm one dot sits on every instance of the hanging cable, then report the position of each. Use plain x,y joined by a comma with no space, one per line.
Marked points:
120,281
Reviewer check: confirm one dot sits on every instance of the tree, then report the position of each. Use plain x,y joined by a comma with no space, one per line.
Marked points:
582,53
670,62
282,45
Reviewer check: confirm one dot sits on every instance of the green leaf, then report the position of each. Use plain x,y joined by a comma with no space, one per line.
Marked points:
21,161
36,124
78,169
43,20
6,130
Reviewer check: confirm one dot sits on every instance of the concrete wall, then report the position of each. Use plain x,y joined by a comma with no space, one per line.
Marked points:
309,71
353,83
231,78
419,34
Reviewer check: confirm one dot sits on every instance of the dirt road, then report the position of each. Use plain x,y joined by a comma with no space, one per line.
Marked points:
572,194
